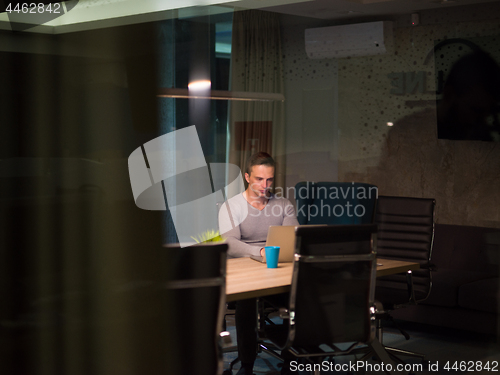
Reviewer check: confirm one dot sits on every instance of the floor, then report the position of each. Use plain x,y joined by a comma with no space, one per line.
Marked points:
448,351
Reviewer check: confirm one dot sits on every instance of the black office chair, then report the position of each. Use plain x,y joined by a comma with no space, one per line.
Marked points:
196,295
332,291
405,232
335,203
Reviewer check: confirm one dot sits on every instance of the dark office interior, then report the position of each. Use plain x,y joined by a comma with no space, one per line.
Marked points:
80,261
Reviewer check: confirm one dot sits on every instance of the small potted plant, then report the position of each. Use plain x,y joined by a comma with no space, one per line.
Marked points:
209,236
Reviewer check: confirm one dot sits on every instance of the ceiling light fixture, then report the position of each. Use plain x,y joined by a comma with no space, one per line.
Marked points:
218,95
200,85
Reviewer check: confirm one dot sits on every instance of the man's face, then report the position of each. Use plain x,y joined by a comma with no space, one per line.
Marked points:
260,180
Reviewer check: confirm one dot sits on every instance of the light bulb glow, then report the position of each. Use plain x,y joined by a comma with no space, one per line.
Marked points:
200,85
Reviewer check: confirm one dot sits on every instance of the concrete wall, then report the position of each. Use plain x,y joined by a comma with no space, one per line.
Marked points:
406,159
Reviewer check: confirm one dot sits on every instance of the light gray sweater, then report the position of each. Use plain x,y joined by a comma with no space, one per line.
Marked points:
245,228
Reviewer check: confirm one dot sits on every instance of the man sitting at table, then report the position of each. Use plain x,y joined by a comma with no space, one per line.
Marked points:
255,209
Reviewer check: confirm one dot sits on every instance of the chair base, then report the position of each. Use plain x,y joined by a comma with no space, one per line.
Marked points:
394,351
270,349
263,347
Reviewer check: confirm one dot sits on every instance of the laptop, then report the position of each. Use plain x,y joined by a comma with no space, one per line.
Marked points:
282,236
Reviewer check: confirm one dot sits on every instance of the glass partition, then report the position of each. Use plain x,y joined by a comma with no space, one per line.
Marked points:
95,176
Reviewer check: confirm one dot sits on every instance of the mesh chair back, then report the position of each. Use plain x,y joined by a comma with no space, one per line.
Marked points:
196,296
335,203
405,232
332,286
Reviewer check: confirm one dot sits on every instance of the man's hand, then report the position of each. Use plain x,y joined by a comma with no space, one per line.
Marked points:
262,252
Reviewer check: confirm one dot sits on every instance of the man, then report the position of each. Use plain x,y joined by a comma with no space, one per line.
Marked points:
255,210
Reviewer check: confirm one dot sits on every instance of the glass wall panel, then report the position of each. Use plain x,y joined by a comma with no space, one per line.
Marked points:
108,150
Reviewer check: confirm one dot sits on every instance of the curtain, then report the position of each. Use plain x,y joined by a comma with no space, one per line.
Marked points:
251,137
257,66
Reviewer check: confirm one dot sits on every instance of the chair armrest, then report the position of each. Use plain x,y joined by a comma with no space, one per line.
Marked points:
374,310
411,290
226,339
284,313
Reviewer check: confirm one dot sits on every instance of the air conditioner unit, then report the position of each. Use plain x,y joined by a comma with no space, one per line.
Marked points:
362,39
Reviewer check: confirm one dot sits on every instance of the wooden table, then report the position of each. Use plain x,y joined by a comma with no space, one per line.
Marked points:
247,278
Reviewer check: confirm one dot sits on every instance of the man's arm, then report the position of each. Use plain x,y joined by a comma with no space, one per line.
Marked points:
232,234
238,248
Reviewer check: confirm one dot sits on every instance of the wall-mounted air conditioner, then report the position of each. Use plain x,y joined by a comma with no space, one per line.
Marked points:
362,39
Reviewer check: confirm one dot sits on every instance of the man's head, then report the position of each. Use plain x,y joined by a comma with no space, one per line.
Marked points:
259,158
259,174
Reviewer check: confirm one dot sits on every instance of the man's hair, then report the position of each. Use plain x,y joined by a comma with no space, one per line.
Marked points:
259,158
